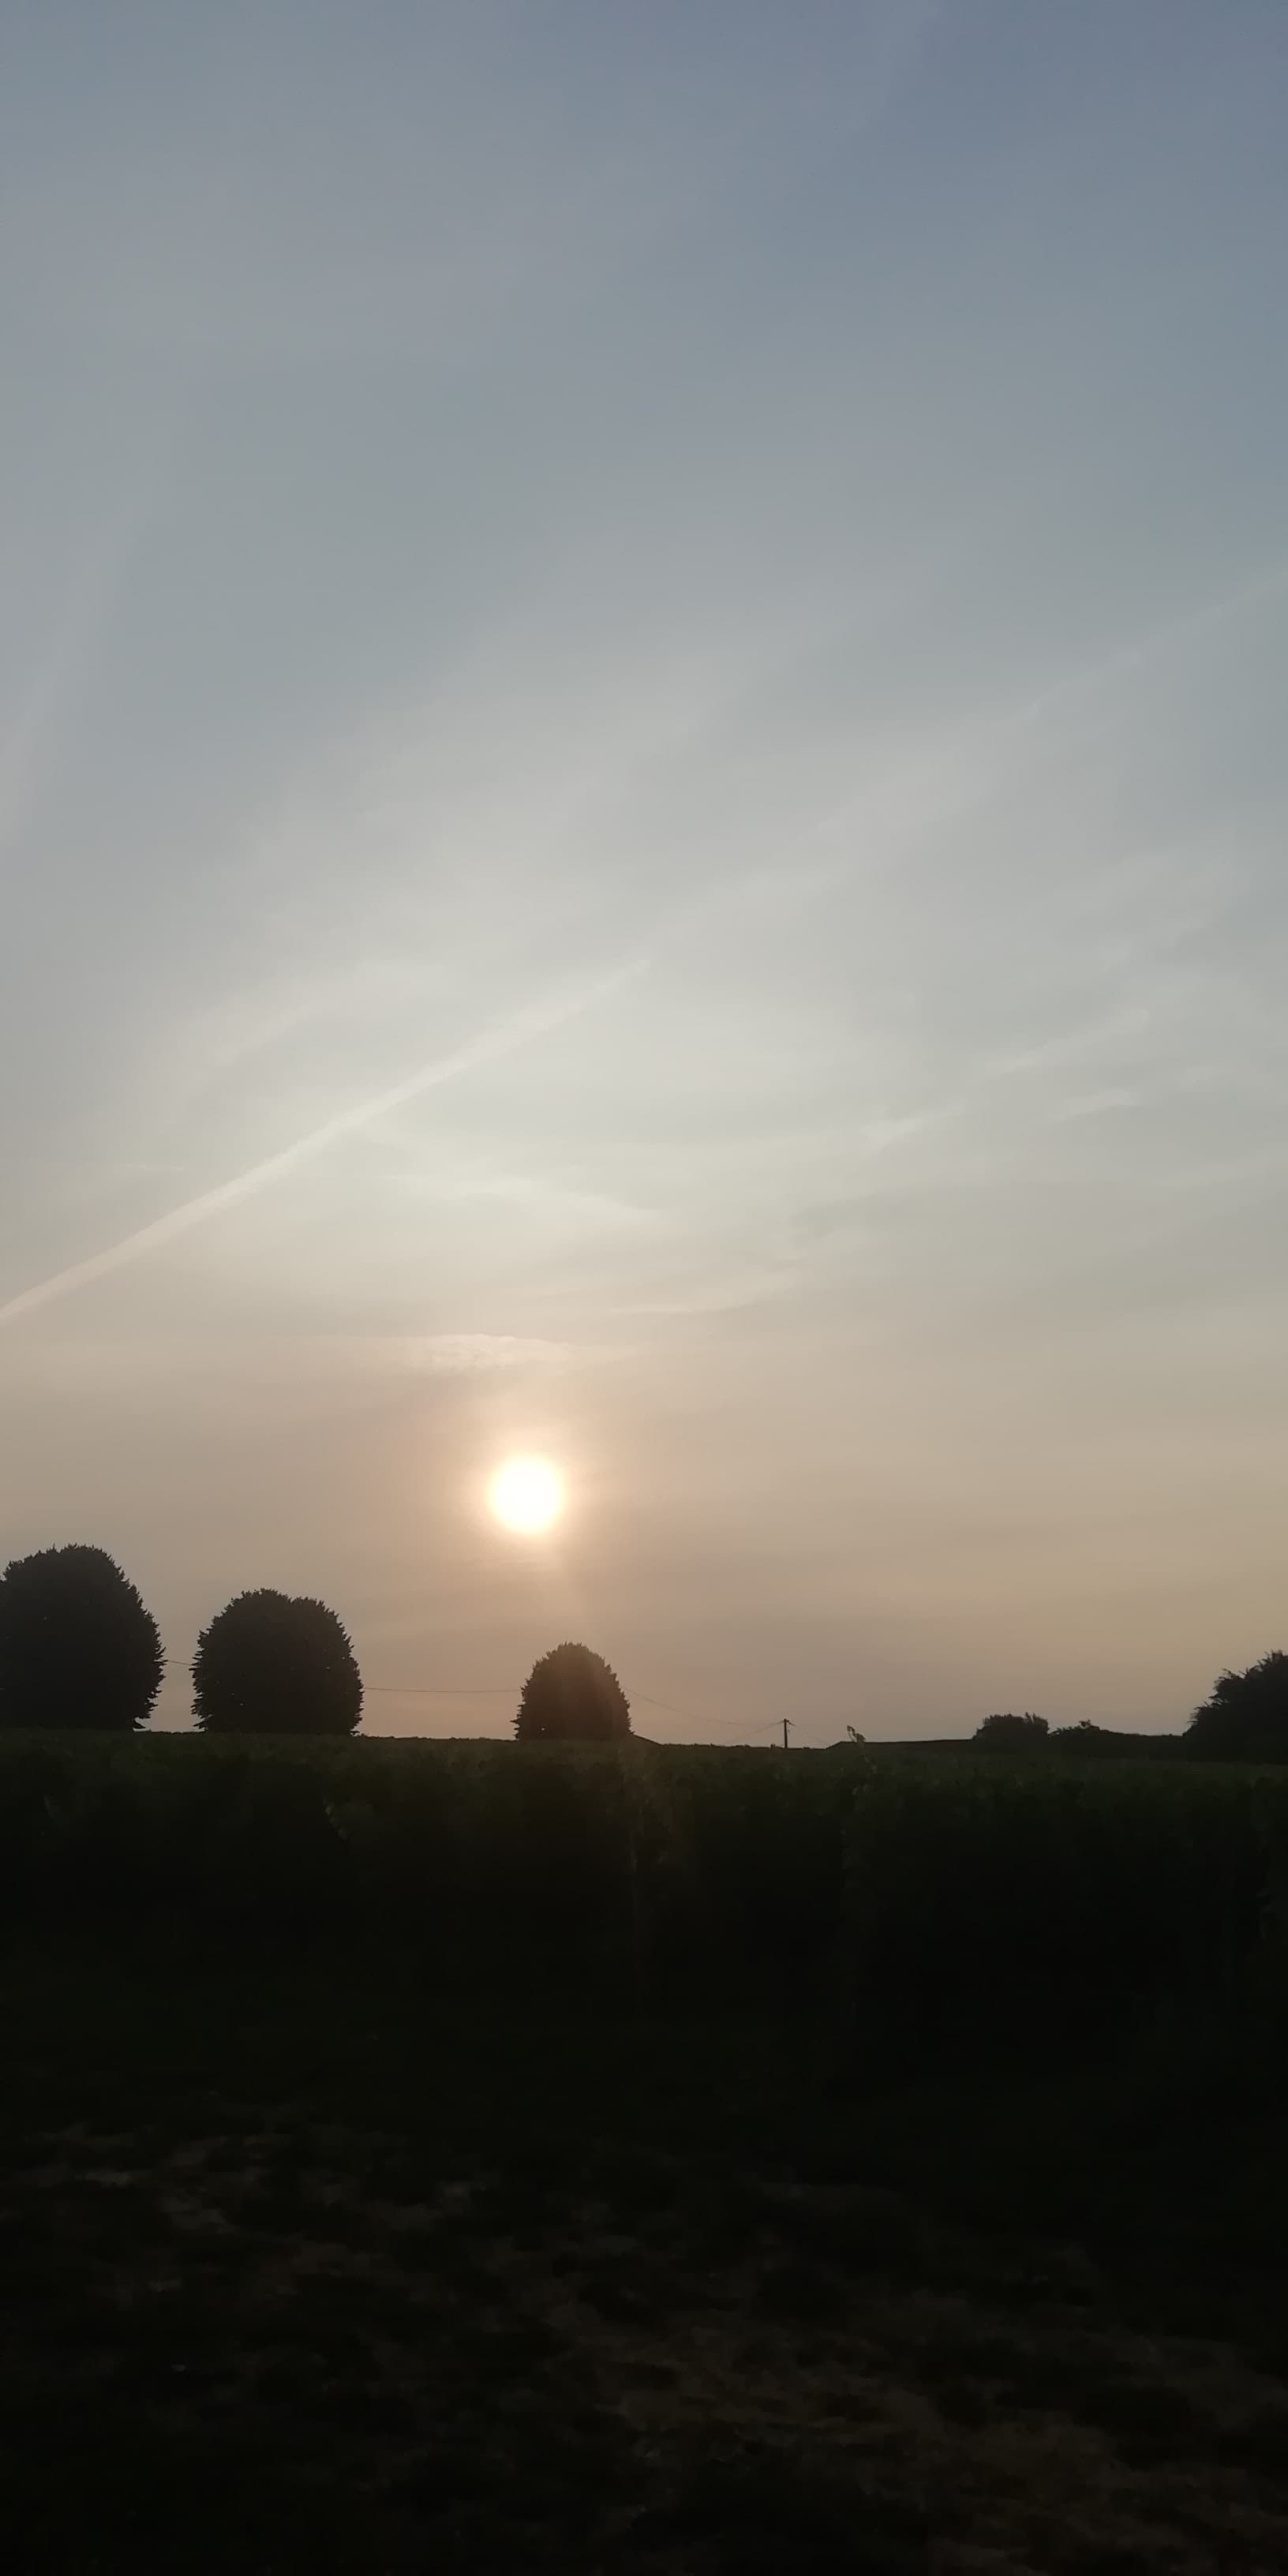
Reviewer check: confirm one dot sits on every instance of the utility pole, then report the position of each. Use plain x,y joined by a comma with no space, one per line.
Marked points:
786,1729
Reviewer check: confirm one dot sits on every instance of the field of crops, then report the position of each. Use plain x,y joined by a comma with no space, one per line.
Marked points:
925,1903
690,2162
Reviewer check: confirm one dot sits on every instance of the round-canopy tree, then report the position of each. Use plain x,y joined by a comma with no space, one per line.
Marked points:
572,1696
78,1645
270,1665
1004,1732
1246,1718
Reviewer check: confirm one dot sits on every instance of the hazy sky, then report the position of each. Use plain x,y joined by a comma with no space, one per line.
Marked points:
643,771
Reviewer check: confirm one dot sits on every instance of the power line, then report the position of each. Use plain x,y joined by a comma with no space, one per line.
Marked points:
717,1725
690,1715
441,1690
505,1690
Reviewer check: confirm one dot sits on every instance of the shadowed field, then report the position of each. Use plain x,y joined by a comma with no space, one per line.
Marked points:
307,2268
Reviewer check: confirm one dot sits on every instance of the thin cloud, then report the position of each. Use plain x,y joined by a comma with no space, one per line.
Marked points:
29,742
490,1046
469,1354
1169,635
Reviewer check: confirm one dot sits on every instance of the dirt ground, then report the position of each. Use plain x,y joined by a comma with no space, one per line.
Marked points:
271,2304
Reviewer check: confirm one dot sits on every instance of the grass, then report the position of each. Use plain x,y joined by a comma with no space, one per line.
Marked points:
309,2266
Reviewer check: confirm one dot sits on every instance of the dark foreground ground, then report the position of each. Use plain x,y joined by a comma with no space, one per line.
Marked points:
304,2270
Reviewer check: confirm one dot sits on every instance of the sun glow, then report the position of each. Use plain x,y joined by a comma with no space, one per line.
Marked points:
526,1495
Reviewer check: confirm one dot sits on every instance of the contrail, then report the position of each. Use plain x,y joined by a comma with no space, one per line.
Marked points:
490,1045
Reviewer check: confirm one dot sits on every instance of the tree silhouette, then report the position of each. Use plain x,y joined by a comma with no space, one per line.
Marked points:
270,1665
572,1696
1006,1733
1246,1717
78,1645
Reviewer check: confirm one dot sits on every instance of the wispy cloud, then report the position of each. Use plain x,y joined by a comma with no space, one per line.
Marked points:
491,1045
29,737
472,1354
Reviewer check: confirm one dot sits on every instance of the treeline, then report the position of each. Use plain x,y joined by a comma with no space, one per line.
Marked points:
79,1648
1244,1719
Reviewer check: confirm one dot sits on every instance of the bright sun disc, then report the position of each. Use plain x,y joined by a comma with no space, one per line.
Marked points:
527,1495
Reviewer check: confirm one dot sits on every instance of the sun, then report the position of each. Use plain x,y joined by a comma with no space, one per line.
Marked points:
527,1495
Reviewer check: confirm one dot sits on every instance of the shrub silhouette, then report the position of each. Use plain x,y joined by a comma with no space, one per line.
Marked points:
270,1665
1006,1733
1092,1741
572,1696
1246,1717
78,1646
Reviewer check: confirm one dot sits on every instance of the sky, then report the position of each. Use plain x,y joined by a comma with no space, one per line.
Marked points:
642,797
